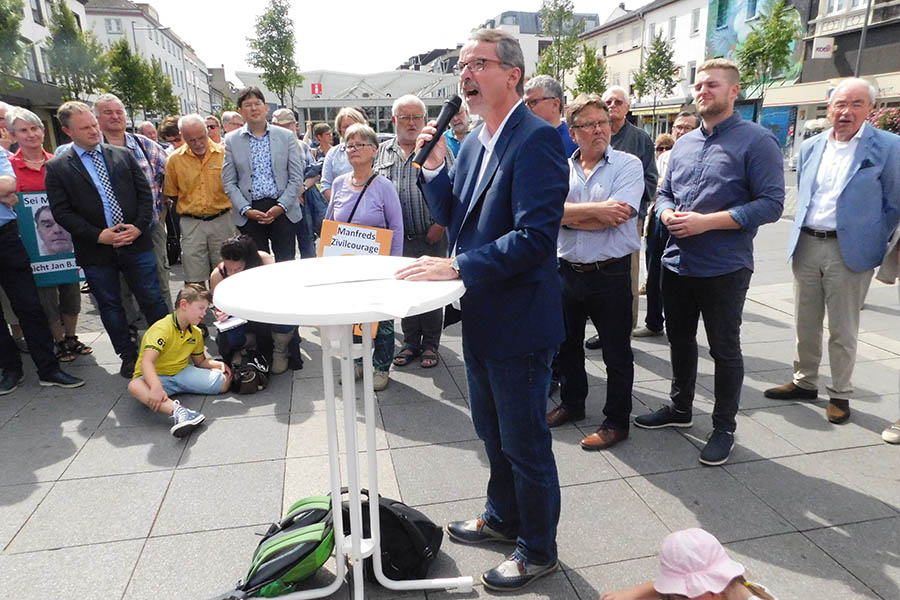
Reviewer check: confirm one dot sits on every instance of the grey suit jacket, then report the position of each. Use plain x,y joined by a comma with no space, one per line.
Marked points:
286,165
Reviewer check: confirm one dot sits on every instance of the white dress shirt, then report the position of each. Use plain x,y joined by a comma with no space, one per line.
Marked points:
830,179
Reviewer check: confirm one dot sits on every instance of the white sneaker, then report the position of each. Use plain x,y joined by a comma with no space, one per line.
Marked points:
892,434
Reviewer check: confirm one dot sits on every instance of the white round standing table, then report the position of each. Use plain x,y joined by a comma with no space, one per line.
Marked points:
334,293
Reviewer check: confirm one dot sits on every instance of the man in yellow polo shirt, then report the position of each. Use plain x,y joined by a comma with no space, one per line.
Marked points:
172,361
194,182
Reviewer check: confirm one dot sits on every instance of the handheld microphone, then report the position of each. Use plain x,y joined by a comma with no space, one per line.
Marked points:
449,110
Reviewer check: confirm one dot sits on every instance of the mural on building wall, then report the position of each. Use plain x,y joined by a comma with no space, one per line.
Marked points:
728,24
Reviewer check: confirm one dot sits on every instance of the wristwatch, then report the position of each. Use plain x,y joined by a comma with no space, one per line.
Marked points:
455,264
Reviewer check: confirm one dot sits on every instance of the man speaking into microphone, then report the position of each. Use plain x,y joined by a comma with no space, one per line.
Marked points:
502,204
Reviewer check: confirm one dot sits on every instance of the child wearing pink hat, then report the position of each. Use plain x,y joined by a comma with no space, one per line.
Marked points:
693,565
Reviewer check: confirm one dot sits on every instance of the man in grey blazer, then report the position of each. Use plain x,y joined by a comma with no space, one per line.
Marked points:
262,176
848,204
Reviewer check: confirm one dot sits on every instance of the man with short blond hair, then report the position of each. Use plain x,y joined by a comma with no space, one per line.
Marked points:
194,184
723,182
848,205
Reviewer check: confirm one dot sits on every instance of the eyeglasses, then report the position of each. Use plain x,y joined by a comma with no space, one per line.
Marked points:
212,126
410,118
614,102
663,148
355,147
591,125
172,139
251,104
476,65
534,101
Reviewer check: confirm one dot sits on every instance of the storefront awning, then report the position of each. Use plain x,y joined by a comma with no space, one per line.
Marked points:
660,110
816,92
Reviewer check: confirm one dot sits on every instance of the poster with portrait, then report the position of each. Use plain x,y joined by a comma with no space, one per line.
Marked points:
49,246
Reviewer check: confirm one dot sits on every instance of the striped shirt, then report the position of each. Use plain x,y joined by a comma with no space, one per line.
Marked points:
390,162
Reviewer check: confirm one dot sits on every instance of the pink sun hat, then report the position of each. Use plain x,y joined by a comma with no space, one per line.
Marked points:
692,562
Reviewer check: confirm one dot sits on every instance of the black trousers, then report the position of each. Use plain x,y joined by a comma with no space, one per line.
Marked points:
720,300
605,296
18,283
280,233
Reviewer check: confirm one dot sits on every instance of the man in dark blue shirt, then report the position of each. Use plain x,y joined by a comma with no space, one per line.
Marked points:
724,180
544,97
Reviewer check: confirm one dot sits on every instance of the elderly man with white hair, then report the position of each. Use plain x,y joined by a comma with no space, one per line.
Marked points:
423,237
231,120
635,141
148,130
194,183
848,205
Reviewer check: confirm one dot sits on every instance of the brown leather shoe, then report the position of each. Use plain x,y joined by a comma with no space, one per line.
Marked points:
838,410
561,416
791,391
603,438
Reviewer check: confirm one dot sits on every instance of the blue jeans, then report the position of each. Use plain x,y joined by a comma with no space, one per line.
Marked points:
140,273
508,401
382,345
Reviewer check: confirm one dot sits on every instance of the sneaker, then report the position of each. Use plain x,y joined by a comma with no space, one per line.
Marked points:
664,417
186,420
718,448
892,434
514,573
61,379
10,381
380,380
593,343
475,531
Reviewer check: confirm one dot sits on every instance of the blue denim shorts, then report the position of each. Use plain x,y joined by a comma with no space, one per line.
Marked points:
193,380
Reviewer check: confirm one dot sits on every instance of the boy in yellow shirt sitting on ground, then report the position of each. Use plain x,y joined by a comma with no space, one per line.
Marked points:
163,370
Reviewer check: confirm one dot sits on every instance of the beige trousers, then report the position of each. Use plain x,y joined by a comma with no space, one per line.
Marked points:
636,275
201,245
822,282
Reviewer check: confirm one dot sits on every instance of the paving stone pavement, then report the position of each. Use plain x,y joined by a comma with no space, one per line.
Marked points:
98,501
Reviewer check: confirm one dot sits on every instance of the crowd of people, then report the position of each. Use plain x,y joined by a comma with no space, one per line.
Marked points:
540,210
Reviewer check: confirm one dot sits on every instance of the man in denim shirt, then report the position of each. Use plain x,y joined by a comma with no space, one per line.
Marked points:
724,180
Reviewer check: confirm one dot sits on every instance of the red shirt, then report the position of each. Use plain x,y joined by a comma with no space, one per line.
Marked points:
28,179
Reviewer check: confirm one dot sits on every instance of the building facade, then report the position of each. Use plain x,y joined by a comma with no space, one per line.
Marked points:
324,93
38,92
618,42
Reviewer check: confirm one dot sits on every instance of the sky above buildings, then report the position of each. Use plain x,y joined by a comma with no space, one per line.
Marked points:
355,36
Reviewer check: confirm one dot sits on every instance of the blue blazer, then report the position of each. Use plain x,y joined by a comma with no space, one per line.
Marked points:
868,208
504,231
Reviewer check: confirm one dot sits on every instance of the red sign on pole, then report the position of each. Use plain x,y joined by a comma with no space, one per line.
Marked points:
316,88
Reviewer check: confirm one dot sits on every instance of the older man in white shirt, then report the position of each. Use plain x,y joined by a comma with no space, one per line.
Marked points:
848,204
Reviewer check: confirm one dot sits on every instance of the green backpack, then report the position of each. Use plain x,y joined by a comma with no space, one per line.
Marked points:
290,551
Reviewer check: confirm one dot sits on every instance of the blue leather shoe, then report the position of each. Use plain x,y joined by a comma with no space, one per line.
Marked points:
514,573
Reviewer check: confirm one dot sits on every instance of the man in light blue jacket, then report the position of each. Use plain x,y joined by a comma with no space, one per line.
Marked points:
848,205
262,177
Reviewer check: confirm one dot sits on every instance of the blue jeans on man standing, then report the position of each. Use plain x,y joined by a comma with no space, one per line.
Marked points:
508,402
140,273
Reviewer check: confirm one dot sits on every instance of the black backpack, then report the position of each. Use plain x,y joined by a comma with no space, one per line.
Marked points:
410,541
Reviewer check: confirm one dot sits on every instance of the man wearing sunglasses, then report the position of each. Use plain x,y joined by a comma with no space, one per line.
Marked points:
635,141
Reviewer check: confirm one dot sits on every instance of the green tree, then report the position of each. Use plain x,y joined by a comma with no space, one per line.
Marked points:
12,53
558,20
129,77
659,74
272,50
76,58
766,50
591,77
163,99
